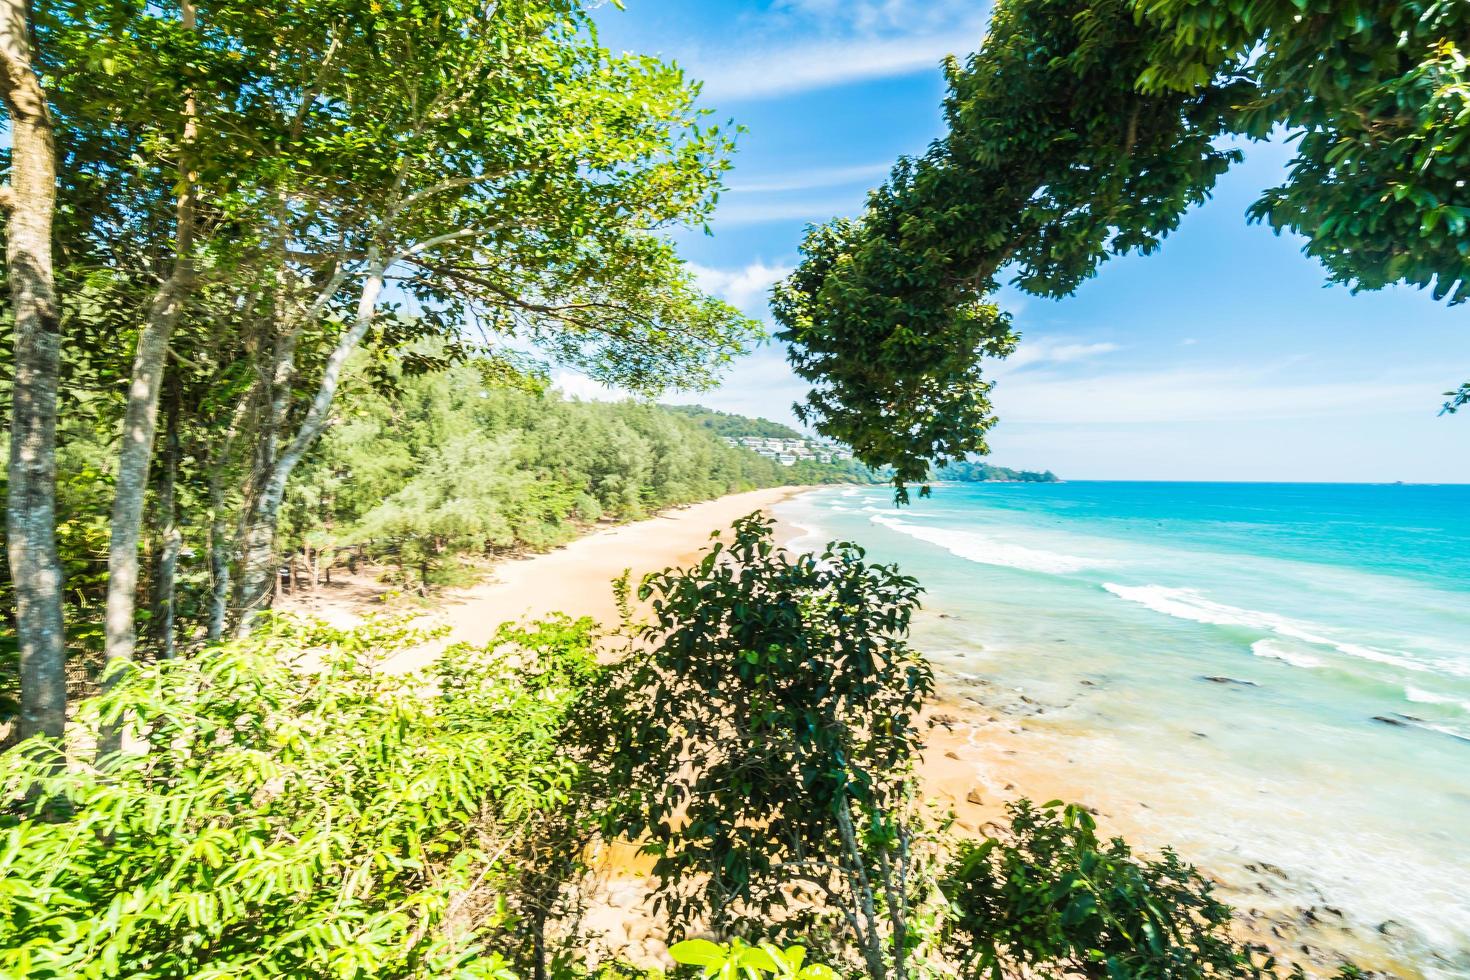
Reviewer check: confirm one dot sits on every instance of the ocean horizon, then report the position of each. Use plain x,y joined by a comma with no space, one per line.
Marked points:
1264,675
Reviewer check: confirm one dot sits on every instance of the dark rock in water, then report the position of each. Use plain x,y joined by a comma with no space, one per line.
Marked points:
1199,735
1221,679
1087,683
1390,927
1395,722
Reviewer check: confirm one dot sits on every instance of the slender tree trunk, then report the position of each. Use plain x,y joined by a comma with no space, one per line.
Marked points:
219,541
140,422
30,506
258,558
173,538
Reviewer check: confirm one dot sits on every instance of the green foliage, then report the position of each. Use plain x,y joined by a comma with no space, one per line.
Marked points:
737,961
970,471
759,734
1377,93
334,824
1458,399
1049,899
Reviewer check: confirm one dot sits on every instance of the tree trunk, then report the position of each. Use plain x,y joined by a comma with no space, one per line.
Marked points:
173,538
30,506
140,423
219,548
260,536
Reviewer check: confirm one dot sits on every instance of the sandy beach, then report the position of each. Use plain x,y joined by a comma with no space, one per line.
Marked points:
979,755
575,579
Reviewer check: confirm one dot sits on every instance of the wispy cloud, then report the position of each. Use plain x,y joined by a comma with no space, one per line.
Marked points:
1048,350
742,288
802,180
771,72
575,384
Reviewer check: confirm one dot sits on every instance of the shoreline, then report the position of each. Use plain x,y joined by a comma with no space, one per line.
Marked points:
977,741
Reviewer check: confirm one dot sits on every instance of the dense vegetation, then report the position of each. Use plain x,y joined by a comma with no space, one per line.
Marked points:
727,425
757,735
1084,129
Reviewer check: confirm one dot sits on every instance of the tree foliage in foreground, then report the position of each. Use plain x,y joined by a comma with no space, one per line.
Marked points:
766,738
1048,898
1084,129
759,740
344,823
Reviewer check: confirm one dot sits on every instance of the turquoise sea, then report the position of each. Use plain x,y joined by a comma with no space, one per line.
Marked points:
1268,676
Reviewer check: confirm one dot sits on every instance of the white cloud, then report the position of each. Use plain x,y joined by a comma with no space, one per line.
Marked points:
770,72
760,385
745,288
808,179
1050,351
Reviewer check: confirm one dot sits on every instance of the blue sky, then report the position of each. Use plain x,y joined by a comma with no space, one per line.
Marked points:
1224,356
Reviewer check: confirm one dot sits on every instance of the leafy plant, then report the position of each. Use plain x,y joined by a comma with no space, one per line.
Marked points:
758,737
737,961
343,823
1049,899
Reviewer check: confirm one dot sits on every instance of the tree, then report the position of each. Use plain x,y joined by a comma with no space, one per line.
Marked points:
30,503
500,166
760,733
1084,129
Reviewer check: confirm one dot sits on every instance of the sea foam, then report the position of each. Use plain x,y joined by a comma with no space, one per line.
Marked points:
987,551
1182,603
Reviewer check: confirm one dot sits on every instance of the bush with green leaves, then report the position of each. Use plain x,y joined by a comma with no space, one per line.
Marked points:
736,960
759,737
264,821
1049,898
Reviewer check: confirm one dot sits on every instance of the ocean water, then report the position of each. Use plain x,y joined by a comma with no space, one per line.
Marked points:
1270,676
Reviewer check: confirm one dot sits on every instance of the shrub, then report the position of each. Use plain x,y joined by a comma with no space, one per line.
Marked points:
1049,899
342,823
759,736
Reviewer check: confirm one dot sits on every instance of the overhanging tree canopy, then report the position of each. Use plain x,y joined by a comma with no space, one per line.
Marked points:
1084,129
